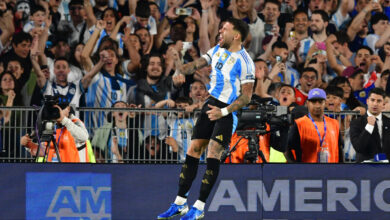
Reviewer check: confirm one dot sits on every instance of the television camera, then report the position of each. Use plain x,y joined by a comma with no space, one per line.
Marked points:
47,120
254,122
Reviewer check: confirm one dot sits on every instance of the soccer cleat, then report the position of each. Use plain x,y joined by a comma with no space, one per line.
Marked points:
193,214
173,211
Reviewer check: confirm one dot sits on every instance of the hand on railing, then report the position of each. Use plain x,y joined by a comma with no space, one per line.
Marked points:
172,142
132,114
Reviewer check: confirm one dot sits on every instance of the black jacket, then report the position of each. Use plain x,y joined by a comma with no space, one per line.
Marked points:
163,87
368,145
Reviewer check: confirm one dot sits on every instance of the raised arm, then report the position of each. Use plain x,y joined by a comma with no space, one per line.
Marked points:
190,68
346,6
91,19
124,19
204,40
330,53
132,6
135,58
41,79
87,79
383,39
357,22
86,60
7,27
261,87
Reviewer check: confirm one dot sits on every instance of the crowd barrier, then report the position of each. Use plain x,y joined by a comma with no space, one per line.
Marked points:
143,138
142,191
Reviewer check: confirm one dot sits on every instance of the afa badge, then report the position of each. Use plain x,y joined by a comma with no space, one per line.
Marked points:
362,94
231,61
224,56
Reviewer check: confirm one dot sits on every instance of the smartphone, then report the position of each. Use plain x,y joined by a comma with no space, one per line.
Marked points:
278,59
186,46
268,29
292,34
321,45
184,11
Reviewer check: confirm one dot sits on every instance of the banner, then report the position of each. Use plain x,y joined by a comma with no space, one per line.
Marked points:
121,191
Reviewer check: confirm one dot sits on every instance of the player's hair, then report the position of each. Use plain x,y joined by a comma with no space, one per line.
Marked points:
240,26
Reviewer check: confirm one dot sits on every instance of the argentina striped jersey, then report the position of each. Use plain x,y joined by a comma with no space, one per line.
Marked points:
104,91
305,47
229,71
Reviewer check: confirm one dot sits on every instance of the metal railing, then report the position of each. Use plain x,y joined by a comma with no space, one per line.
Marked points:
117,134
123,135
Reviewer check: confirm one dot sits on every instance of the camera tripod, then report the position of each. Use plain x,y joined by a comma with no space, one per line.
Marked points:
48,138
253,146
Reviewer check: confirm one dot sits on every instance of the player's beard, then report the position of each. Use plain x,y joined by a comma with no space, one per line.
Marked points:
226,44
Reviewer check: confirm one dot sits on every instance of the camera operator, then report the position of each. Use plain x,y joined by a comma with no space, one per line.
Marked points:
286,97
274,139
70,136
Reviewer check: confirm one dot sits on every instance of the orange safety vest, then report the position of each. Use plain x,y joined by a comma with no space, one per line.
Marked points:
67,147
310,142
242,147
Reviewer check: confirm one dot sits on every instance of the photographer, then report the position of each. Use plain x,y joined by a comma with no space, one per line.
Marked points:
71,136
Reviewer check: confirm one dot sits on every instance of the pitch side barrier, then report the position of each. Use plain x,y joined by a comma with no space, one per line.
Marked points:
135,191
143,140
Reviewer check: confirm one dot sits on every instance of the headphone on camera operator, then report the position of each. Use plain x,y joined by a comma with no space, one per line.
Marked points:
259,128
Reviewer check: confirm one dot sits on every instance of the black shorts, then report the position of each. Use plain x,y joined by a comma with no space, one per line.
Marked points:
219,130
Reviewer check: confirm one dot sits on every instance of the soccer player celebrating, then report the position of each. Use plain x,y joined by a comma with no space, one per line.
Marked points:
230,88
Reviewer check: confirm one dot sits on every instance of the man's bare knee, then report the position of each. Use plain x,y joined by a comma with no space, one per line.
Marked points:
215,150
197,147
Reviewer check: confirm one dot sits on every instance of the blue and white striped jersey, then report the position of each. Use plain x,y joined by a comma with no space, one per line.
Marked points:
338,19
72,91
229,71
304,48
181,131
104,91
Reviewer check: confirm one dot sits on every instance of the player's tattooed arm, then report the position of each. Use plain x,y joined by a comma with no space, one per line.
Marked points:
190,68
243,99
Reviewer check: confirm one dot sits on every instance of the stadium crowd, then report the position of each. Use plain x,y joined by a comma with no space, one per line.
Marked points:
124,53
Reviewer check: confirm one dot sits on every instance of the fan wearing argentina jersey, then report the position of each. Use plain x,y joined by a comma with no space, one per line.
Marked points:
60,85
318,22
105,85
231,85
181,125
